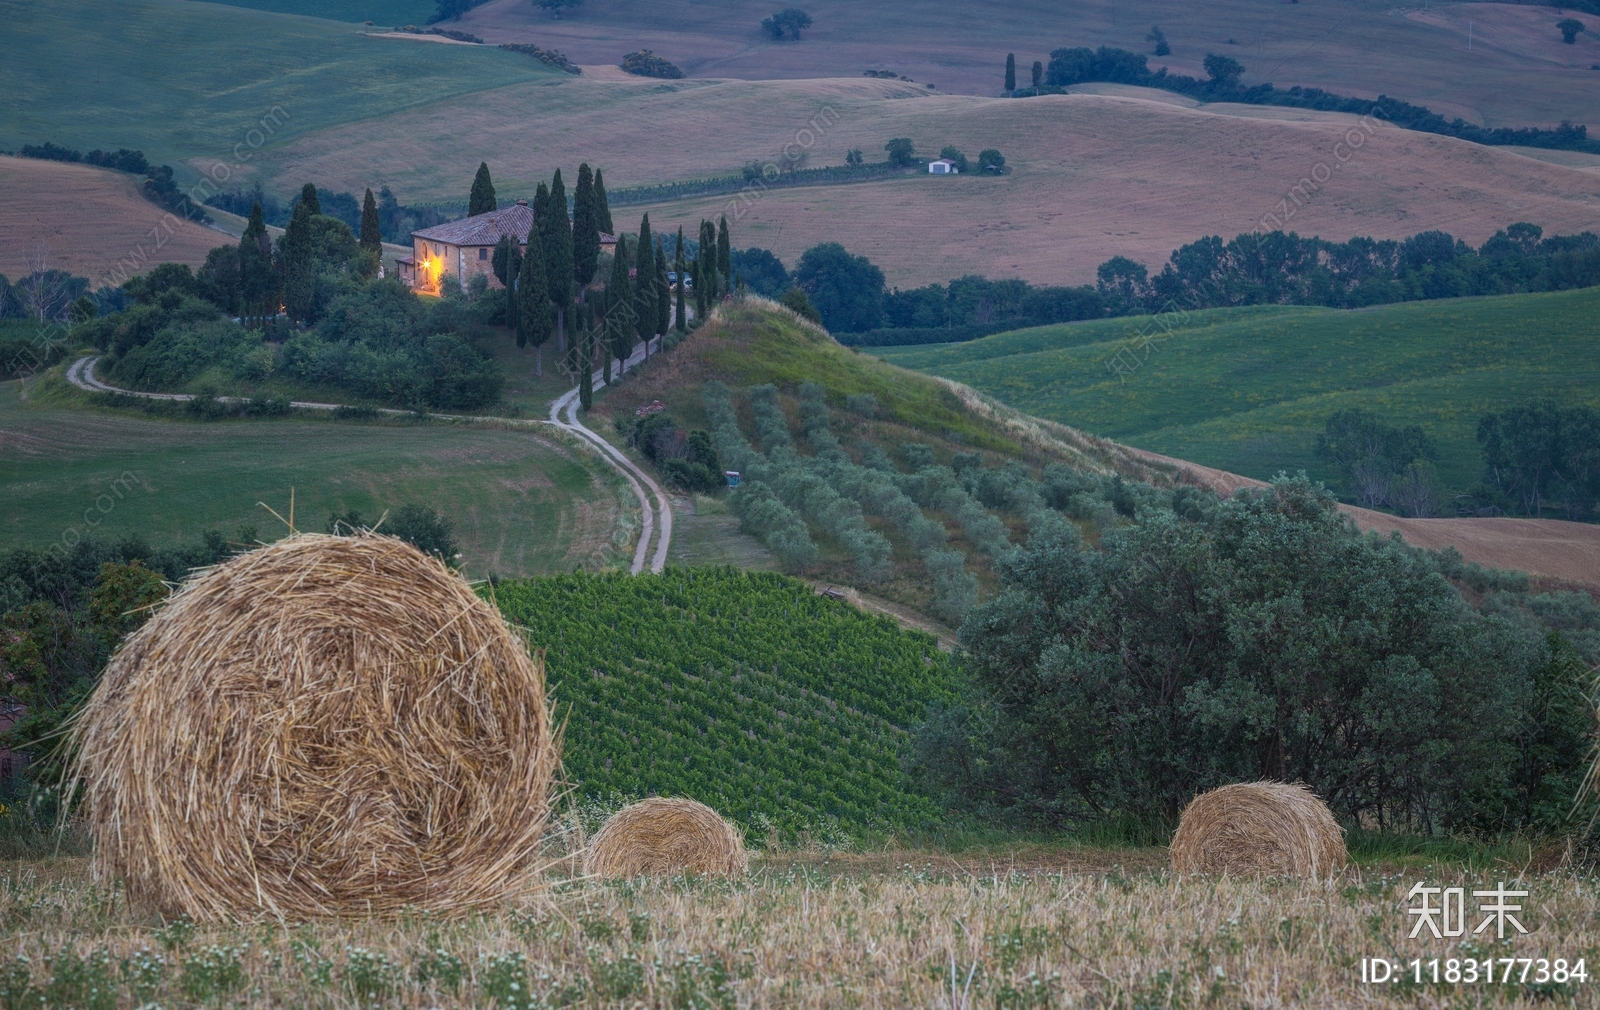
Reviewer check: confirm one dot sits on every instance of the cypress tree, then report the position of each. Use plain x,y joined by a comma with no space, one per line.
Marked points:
299,266
533,302
724,256
308,196
556,230
585,234
678,307
602,210
1011,71
663,291
644,287
371,235
708,262
1038,75
507,260
256,277
482,199
619,310
585,337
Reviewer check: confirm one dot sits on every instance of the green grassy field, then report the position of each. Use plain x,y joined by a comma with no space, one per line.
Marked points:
189,81
386,13
1247,390
523,501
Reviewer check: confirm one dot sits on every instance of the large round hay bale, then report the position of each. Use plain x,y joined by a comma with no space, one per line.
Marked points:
663,837
325,726
1259,828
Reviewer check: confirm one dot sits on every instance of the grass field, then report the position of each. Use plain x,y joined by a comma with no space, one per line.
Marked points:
1002,926
187,82
1094,175
1518,72
1247,390
523,502
90,220
385,13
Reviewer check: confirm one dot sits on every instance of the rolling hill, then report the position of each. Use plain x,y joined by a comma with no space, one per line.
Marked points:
90,220
1518,72
1247,390
1093,175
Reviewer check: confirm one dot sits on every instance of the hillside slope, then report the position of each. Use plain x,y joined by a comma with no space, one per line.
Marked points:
1518,71
90,220
1247,390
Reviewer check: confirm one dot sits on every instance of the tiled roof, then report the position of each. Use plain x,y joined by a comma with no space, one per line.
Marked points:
483,229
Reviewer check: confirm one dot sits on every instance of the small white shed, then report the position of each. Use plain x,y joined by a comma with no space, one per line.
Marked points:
943,166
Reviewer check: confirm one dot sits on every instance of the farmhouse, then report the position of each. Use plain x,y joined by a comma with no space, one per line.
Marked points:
463,248
943,166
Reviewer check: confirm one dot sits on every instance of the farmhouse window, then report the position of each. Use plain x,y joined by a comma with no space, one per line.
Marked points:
483,254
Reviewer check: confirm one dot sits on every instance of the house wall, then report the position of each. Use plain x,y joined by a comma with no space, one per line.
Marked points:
463,261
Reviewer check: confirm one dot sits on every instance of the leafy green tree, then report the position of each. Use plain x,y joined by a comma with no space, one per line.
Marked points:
953,153
585,233
554,6
218,278
1123,283
424,528
1011,72
795,298
1159,39
556,230
1101,691
1539,451
602,209
901,153
853,156
990,159
299,265
846,290
1569,28
371,234
308,196
680,310
258,279
1370,453
790,21
481,200
533,300
644,286
1224,71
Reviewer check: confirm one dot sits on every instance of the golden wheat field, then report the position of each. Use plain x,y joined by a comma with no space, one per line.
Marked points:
89,220
1082,928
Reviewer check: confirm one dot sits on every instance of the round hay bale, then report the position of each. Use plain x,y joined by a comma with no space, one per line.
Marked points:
325,726
1259,828
661,837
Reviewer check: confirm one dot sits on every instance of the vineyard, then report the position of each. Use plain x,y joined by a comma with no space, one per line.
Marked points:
781,708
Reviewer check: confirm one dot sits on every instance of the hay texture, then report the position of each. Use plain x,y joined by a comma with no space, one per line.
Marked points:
1259,828
664,837
327,726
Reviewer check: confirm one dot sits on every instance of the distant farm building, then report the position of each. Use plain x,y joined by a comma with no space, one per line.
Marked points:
463,248
943,166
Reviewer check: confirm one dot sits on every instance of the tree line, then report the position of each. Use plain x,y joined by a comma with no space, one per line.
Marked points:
1222,84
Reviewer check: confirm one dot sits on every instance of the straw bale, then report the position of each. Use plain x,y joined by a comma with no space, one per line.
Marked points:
1259,828
663,837
326,726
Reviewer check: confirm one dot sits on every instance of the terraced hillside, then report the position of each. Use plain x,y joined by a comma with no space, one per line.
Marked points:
781,708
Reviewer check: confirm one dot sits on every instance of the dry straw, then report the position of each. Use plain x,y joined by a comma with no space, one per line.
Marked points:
326,726
664,837
1259,828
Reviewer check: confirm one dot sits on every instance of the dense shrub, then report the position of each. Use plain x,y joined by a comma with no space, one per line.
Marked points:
645,63
1263,639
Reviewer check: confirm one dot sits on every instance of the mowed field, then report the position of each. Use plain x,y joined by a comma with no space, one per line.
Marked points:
1518,72
186,81
1247,390
523,501
1094,175
89,220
